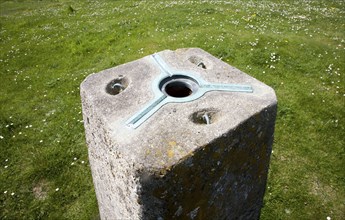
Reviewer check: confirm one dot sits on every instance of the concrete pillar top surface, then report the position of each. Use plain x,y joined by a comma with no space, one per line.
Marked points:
176,129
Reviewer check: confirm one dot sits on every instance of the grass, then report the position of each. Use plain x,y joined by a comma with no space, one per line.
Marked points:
48,47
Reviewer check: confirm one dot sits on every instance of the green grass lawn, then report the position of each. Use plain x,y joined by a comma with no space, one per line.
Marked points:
48,47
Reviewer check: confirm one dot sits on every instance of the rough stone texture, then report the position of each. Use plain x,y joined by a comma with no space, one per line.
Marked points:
174,166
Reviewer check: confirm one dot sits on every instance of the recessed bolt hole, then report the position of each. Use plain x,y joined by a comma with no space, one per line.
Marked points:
117,85
178,86
205,116
197,61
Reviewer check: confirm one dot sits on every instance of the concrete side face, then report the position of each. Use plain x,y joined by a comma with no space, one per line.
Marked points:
225,179
174,166
113,176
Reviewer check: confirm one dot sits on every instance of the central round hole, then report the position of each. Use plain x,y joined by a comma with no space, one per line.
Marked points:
178,89
178,86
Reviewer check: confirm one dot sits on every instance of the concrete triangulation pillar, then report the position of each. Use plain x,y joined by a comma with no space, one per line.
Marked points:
178,135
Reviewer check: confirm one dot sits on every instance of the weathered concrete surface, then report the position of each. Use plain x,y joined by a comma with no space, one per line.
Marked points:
174,166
